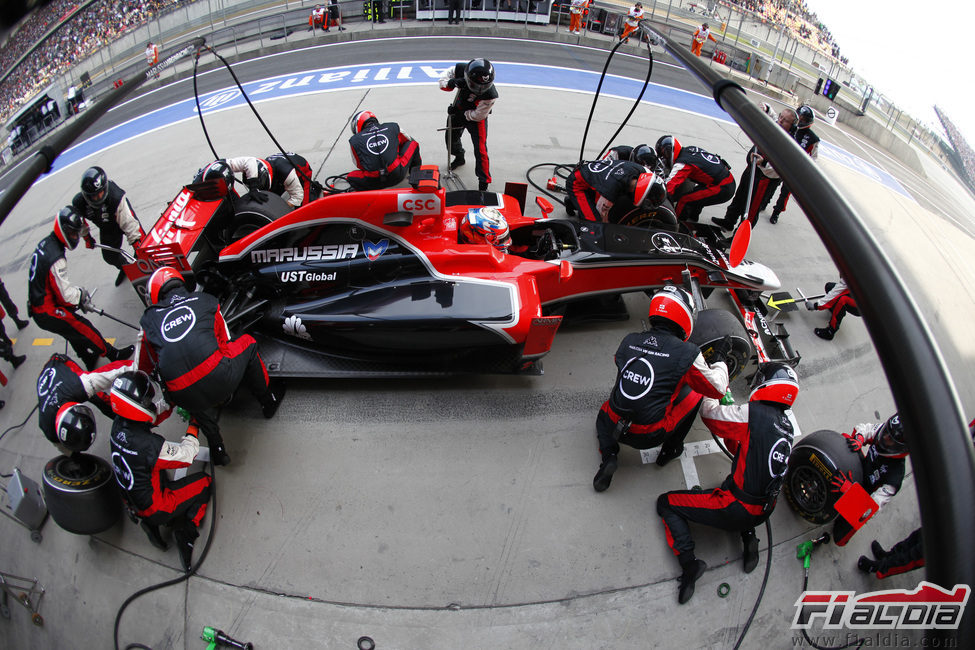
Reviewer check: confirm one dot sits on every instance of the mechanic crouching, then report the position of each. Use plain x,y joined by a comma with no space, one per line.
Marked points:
381,152
595,187
140,458
760,434
186,338
658,388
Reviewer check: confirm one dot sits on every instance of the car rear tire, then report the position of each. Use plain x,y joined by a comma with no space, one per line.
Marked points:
81,493
815,459
711,326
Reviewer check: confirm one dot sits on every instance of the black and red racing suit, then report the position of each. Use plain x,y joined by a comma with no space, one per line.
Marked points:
114,218
471,113
593,187
382,155
711,176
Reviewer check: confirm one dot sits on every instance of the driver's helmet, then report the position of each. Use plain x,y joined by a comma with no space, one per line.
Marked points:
68,225
94,186
216,170
485,225
889,440
674,305
644,155
132,396
74,426
775,382
650,191
479,75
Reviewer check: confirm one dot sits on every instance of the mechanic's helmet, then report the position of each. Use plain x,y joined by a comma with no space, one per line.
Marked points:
889,440
68,225
263,180
806,117
361,119
74,425
486,225
216,170
668,148
94,186
775,382
132,395
479,75
644,155
675,306
650,191
162,281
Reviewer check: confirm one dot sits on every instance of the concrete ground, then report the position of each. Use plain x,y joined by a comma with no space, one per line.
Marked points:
460,513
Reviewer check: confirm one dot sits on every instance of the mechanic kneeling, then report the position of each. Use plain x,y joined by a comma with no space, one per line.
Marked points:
140,458
659,385
382,153
594,187
760,435
185,336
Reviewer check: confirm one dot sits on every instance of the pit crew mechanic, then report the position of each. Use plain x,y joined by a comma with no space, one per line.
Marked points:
104,204
595,186
53,301
185,336
760,434
140,458
381,152
884,466
62,389
278,174
659,386
709,175
473,101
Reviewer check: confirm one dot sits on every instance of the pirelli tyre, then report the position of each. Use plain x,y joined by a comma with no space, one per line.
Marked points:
815,459
711,326
249,215
81,494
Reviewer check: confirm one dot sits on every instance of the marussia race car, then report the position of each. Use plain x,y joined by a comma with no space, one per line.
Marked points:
421,280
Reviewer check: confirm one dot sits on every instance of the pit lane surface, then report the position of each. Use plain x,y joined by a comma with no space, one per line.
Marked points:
459,513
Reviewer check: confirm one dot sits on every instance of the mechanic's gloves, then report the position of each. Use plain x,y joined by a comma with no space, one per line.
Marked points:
841,483
451,84
85,303
256,196
89,241
854,441
315,190
720,350
453,110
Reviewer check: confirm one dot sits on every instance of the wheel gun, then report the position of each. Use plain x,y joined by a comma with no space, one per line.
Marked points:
804,550
217,639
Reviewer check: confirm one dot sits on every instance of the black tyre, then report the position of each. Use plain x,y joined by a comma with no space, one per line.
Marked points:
711,326
815,459
81,493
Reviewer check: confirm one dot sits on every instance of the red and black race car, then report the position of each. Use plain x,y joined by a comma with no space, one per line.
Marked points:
421,280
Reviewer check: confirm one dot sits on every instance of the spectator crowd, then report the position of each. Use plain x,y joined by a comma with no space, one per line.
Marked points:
797,18
960,145
86,28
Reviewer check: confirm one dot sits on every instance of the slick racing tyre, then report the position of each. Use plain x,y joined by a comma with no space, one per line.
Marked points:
81,494
815,459
250,215
711,326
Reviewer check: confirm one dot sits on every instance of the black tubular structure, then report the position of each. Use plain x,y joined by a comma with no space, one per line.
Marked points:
937,436
44,157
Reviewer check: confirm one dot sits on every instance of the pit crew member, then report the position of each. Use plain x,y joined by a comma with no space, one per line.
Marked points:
711,181
473,101
383,155
53,302
594,187
760,434
283,174
658,389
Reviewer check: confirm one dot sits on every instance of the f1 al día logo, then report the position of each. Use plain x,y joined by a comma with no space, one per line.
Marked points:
928,607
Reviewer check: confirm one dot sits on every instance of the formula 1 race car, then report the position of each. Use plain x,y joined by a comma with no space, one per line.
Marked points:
420,280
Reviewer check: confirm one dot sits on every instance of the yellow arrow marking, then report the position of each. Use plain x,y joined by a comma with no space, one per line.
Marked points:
42,342
774,304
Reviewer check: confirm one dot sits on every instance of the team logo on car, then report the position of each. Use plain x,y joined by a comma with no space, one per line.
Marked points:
377,144
294,327
665,243
374,250
177,323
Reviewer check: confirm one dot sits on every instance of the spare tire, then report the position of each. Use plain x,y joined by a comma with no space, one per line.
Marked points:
815,459
711,326
81,493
